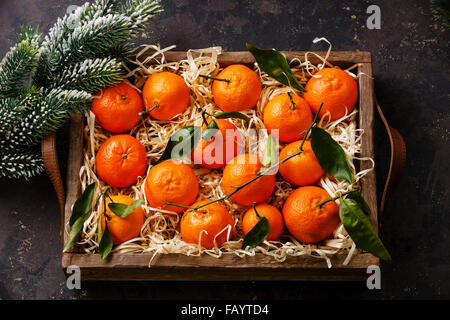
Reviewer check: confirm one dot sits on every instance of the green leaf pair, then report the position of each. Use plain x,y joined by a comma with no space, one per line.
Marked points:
80,210
122,210
354,210
181,143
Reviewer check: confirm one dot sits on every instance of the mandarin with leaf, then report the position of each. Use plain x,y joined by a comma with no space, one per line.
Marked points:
305,220
302,169
122,229
272,214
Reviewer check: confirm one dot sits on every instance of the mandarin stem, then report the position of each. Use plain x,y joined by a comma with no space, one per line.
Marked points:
213,78
204,118
292,101
257,214
320,204
177,205
311,126
153,108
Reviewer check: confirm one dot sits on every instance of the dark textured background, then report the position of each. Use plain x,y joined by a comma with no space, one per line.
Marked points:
411,67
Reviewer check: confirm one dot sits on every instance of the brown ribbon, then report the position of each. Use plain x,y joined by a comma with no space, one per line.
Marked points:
397,161
49,155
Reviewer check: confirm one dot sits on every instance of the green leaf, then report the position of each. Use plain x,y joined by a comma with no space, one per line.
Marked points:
210,131
232,114
257,235
270,152
275,65
99,230
358,198
106,243
83,204
122,210
358,226
330,155
181,143
75,230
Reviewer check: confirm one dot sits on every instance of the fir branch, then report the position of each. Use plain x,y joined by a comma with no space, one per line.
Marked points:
81,54
20,164
122,52
31,35
90,40
103,7
141,12
16,66
13,109
45,117
58,33
63,27
90,75
73,100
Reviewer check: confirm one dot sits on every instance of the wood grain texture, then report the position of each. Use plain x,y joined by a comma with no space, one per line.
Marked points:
245,57
231,267
73,170
228,267
366,122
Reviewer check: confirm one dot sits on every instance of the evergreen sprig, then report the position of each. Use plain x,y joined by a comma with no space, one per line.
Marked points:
21,164
18,63
44,117
44,80
91,75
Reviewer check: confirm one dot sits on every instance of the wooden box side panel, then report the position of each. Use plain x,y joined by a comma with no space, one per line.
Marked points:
366,122
339,58
230,267
75,159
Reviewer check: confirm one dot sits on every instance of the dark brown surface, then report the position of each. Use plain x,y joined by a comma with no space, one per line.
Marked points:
231,267
411,61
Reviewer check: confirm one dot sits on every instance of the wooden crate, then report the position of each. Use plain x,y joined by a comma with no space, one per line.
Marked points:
231,267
